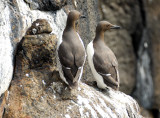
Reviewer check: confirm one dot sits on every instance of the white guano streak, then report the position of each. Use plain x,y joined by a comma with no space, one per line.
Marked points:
85,102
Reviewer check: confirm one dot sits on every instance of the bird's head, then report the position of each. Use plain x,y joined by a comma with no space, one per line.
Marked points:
105,25
74,15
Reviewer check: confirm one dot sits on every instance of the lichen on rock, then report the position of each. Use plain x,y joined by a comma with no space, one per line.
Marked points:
39,47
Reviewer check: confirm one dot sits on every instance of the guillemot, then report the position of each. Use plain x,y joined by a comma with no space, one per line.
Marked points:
71,53
102,60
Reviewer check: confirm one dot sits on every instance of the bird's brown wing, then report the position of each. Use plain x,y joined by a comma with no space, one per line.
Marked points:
66,59
106,66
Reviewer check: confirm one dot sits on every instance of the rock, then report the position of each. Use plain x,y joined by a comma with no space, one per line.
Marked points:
16,17
36,89
3,99
153,17
144,88
46,5
33,99
39,26
10,31
38,56
39,92
147,113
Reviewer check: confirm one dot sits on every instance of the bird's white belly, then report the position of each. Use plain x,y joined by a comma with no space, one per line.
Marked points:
98,77
84,59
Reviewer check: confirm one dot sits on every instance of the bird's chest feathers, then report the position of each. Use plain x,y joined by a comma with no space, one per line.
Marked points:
100,48
102,53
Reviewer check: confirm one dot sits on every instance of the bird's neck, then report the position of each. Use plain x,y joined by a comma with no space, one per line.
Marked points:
99,35
70,24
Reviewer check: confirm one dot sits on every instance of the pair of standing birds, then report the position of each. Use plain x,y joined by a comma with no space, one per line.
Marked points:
71,55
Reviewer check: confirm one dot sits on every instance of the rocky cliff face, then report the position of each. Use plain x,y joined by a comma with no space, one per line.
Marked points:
153,17
39,92
36,88
17,17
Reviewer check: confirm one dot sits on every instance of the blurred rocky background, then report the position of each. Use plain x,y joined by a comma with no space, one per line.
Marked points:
136,46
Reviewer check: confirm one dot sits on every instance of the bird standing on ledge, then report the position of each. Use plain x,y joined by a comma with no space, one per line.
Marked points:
71,54
102,60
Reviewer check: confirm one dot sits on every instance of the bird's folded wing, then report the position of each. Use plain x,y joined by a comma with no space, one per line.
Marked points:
105,69
109,78
67,73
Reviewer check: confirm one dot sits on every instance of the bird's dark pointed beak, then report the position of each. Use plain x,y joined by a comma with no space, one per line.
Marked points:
82,16
115,27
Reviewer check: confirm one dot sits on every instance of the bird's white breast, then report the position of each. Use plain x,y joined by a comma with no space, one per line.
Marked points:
98,77
84,59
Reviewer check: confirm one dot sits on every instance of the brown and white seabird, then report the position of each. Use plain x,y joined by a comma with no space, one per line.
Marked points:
71,54
102,60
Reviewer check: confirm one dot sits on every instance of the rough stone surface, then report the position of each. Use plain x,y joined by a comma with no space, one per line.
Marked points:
3,99
16,17
153,17
120,41
10,33
40,54
36,87
41,101
87,28
46,5
144,88
39,92
147,113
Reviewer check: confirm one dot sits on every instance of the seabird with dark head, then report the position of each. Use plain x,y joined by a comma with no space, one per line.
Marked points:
102,60
71,54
